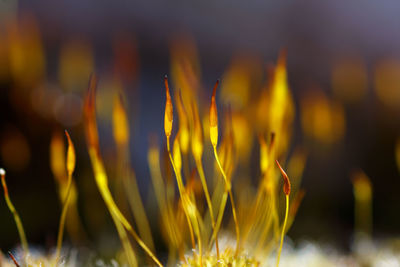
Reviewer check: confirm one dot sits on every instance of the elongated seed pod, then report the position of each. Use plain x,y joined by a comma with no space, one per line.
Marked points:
169,116
71,156
214,118
286,181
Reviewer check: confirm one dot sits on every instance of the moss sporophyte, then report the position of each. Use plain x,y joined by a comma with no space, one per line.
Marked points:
196,226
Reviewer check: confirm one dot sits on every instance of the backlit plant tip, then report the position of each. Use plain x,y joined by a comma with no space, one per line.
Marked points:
169,117
71,156
214,117
286,181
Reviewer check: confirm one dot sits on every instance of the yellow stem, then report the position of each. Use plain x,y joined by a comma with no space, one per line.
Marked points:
14,212
228,188
181,192
208,199
220,215
275,216
134,199
254,214
178,176
113,207
101,180
197,231
266,221
63,217
165,208
283,230
129,252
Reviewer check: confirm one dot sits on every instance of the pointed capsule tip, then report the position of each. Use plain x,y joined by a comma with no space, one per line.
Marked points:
213,111
215,88
166,81
166,86
68,137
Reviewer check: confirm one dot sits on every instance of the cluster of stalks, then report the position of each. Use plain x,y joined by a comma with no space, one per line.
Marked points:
70,167
194,232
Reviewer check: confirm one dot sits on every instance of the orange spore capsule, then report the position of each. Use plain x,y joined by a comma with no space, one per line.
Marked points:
286,181
214,118
71,156
169,117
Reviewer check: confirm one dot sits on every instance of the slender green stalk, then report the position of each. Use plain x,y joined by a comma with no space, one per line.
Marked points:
208,199
14,212
181,192
283,230
228,188
63,217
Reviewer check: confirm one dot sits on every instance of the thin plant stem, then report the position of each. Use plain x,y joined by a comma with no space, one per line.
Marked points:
14,212
63,217
228,188
101,180
181,192
208,199
283,230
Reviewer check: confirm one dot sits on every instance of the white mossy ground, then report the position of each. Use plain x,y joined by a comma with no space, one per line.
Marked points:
37,258
307,254
364,254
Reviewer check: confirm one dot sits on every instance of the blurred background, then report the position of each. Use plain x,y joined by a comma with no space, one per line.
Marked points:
343,64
